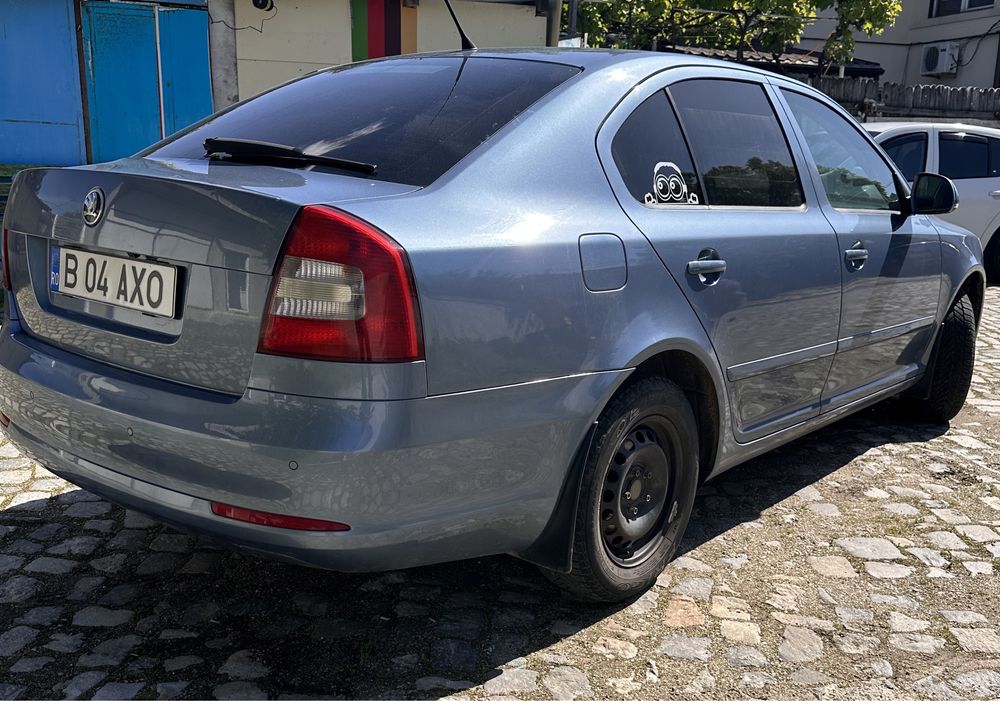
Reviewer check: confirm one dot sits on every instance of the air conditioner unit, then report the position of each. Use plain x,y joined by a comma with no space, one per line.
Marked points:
940,59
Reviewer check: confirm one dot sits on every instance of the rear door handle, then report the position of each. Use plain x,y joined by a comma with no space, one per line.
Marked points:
856,255
995,194
706,267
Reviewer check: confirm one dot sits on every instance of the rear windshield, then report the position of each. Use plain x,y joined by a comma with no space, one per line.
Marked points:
414,118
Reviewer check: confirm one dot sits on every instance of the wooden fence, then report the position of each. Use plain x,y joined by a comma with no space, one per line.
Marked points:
868,99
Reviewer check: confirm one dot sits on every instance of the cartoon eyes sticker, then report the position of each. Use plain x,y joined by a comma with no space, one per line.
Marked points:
669,186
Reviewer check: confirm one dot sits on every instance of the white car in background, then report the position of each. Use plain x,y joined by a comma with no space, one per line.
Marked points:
970,156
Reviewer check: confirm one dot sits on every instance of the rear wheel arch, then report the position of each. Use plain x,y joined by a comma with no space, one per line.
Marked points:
553,548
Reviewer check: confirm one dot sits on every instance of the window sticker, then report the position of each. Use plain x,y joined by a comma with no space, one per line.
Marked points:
669,186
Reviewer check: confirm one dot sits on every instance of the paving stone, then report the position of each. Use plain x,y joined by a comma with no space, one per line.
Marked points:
77,545
980,683
84,587
799,621
170,690
26,665
133,519
613,647
901,623
824,509
51,565
757,680
243,665
934,688
980,534
978,567
175,664
119,596
854,618
856,643
81,684
17,589
24,547
40,616
682,647
977,639
10,692
130,540
745,656
870,548
928,556
946,540
198,613
566,683
454,654
699,588
239,691
170,542
682,612
103,525
882,668
730,607
432,683
110,652
809,493
916,642
800,645
888,570
64,642
12,641
691,564
951,516
9,563
101,617
809,677
87,509
741,632
157,563
512,681
834,566
119,690
964,617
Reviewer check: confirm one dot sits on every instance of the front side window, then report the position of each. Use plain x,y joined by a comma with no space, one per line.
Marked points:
909,153
738,144
853,174
652,156
995,158
963,156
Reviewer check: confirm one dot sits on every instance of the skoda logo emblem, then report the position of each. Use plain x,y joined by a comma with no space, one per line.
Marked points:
93,206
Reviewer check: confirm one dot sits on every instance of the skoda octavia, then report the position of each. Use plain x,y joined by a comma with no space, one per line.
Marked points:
452,305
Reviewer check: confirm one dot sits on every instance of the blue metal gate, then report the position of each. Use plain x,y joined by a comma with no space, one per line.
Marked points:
147,73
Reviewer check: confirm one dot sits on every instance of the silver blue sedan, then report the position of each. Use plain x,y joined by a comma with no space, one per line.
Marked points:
443,306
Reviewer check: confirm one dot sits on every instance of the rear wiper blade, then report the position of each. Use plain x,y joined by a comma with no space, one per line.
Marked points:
250,151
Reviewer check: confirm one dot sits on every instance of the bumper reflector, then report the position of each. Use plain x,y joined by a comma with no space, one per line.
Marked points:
263,518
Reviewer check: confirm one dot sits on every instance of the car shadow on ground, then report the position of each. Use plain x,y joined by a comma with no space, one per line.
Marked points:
413,633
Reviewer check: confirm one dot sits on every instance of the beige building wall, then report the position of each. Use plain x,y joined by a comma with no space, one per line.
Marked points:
900,48
300,37
488,24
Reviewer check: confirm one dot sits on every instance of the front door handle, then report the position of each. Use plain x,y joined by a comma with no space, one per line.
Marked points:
856,255
995,194
706,267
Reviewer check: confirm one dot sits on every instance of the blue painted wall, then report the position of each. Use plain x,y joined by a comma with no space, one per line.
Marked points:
41,109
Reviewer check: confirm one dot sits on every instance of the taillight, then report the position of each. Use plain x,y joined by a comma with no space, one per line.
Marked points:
341,291
6,262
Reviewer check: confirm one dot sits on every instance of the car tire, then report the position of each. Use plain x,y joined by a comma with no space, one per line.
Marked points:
953,365
637,492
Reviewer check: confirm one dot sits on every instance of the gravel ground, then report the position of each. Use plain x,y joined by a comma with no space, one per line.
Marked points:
857,563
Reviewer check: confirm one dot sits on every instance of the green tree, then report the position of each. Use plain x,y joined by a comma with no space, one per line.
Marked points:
770,25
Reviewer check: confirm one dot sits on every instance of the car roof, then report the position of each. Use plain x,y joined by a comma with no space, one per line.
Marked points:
882,127
589,59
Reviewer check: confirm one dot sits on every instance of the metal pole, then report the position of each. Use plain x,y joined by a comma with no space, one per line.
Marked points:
552,23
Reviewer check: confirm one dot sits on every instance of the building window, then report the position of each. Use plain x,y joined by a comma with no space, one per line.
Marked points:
940,8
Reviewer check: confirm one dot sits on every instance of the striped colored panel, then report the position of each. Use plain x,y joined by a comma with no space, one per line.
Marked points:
359,30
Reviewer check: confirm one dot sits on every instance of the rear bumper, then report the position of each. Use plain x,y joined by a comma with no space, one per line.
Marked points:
419,481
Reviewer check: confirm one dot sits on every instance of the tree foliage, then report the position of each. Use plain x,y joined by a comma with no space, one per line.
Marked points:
768,25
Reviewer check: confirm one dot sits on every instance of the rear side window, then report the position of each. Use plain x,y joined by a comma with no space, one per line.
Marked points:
853,174
652,157
963,156
413,117
738,144
994,158
908,152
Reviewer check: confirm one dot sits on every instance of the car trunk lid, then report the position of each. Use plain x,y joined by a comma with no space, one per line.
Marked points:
219,226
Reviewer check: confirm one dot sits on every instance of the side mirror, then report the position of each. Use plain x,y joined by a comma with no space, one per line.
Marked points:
933,194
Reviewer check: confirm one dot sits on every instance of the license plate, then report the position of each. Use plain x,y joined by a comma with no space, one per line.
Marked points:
121,282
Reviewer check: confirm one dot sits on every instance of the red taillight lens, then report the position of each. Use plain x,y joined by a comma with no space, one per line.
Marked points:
263,518
6,262
342,291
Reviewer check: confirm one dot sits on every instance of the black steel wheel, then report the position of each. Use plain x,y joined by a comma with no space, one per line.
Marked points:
637,494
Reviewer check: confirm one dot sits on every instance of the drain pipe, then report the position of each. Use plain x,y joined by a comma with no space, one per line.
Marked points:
553,20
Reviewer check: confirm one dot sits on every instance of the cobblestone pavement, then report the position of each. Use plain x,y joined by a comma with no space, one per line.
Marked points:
859,562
